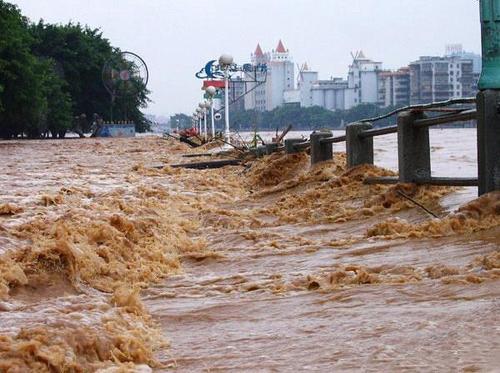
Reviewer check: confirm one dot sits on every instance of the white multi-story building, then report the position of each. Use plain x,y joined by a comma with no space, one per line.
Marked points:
361,86
329,94
362,81
280,79
257,97
307,78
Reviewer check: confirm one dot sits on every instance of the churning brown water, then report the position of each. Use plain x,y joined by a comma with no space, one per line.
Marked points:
111,264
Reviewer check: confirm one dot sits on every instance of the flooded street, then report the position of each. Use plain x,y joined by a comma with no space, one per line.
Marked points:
112,261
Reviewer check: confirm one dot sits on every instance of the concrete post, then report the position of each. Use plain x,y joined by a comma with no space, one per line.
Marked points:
488,140
289,145
271,148
320,152
359,150
414,153
260,151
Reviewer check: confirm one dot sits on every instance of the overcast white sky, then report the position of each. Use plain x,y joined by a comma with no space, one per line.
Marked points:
177,37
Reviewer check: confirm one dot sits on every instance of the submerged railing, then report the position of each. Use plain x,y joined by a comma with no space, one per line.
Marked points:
414,154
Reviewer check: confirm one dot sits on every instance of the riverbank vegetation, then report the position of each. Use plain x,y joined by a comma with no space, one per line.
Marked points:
51,74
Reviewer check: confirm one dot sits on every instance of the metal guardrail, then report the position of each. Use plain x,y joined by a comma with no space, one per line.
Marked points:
378,131
302,145
449,118
433,105
332,140
442,181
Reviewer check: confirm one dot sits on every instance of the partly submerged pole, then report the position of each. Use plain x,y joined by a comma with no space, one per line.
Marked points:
211,91
205,124
488,99
226,61
226,104
212,119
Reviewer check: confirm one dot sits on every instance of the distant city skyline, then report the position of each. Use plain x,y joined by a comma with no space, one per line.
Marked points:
177,37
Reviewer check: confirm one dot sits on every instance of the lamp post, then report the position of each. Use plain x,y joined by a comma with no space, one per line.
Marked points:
206,105
226,61
488,99
198,115
203,114
211,93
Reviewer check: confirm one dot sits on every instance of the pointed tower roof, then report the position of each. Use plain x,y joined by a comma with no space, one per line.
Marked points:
361,56
280,48
258,51
305,67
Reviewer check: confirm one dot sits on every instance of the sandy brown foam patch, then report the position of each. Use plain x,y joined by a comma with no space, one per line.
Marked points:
328,193
10,209
480,214
83,335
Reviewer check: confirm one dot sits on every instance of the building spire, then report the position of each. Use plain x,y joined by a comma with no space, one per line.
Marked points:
361,56
258,51
280,48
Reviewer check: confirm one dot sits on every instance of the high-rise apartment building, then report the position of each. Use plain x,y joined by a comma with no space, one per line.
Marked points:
394,88
440,78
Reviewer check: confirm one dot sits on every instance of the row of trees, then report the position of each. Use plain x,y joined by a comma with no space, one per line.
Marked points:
309,118
50,74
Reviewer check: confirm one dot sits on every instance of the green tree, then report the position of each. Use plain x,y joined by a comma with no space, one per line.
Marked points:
59,115
80,53
22,104
180,120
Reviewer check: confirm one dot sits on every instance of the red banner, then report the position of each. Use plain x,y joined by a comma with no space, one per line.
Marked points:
213,83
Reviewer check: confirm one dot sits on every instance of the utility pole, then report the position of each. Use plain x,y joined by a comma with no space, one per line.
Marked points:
488,99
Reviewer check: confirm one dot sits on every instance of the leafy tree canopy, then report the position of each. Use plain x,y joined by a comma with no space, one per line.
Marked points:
51,74
305,118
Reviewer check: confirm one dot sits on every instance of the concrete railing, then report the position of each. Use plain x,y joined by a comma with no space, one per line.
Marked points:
414,159
414,155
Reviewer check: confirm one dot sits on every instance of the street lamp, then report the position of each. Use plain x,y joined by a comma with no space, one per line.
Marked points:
211,91
203,111
198,115
206,105
226,60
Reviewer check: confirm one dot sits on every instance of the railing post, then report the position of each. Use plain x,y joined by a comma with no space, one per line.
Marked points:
488,140
290,145
271,148
414,154
260,151
320,152
359,150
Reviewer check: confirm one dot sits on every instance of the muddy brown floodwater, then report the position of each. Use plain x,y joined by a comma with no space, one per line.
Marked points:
112,261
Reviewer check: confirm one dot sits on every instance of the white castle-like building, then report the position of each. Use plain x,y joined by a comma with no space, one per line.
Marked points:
429,79
280,79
